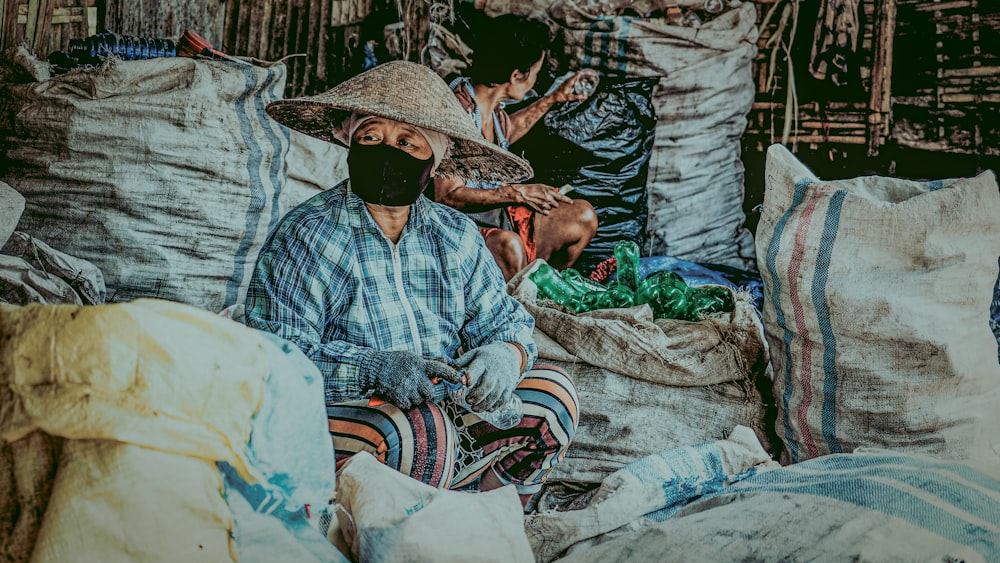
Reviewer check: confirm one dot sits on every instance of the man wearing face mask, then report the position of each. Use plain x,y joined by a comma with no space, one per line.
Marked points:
393,296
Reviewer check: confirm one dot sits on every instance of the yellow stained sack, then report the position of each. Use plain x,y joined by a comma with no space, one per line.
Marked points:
152,373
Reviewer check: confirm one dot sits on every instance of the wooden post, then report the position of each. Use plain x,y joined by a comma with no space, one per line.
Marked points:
38,26
8,25
880,102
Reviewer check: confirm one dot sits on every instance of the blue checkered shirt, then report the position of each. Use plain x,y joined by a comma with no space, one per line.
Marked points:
328,280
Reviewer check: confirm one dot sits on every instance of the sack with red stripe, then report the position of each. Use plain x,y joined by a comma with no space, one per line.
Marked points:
877,301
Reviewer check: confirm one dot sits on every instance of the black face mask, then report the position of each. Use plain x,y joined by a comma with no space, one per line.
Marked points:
385,175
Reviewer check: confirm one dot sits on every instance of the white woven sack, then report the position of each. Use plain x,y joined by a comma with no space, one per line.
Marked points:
646,491
313,167
164,173
623,419
386,516
877,300
695,184
722,347
866,506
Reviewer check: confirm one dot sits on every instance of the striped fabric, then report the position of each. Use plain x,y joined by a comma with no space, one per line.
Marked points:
877,297
873,505
447,447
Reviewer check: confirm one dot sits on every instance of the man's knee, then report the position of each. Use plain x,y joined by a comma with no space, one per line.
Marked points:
549,393
508,249
586,218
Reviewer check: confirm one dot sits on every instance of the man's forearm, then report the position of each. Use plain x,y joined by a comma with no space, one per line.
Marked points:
472,200
524,119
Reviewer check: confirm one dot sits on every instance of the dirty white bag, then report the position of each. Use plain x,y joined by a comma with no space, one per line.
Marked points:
387,516
152,373
114,502
173,168
876,311
647,491
723,347
695,181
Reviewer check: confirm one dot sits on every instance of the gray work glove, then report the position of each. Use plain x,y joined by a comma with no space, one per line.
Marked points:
493,371
402,378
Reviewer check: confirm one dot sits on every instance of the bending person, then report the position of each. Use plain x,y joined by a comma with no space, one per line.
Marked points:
520,222
387,291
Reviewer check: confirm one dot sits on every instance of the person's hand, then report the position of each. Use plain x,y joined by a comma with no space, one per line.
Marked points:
540,197
565,93
403,378
493,371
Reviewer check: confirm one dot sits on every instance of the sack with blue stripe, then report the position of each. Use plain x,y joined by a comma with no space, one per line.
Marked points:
164,173
877,295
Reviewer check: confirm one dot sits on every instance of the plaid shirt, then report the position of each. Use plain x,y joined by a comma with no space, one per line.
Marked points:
328,280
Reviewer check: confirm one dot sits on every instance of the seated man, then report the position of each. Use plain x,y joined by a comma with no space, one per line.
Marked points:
520,222
388,293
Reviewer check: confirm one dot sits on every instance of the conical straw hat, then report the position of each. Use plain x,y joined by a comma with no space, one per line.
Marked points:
413,94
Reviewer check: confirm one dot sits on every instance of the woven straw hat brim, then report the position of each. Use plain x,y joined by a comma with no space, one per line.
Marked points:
409,93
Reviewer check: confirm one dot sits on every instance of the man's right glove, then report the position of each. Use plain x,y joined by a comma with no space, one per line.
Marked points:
402,378
493,371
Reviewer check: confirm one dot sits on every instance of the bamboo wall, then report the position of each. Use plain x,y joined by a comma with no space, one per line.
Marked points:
793,107
928,71
929,79
946,95
45,25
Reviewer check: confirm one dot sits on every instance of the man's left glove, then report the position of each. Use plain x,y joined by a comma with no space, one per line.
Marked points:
402,378
493,371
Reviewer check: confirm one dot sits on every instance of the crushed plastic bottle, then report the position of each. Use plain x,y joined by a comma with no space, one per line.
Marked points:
587,82
627,255
705,300
552,286
666,293
506,416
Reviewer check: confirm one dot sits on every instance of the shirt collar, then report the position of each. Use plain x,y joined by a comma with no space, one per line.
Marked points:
421,213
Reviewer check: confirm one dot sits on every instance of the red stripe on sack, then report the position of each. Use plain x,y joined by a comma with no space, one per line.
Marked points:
798,313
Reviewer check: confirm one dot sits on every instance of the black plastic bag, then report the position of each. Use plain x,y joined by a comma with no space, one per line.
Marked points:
601,146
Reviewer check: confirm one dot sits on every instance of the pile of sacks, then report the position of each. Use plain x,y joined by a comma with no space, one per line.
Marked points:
31,271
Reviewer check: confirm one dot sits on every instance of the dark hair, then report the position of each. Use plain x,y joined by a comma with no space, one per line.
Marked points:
504,44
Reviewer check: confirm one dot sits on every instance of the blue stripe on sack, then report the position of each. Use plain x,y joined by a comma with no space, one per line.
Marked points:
257,198
828,418
599,29
588,47
684,474
779,313
925,464
622,42
279,138
858,486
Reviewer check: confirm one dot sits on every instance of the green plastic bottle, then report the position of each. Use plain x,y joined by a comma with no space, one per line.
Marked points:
576,279
616,297
627,256
705,300
667,294
552,286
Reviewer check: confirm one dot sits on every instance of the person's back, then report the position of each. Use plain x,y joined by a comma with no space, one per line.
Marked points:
521,222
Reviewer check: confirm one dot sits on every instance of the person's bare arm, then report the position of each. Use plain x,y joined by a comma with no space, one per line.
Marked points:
525,118
455,193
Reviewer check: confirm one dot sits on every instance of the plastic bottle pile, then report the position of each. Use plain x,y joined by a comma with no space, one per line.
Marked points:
665,291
